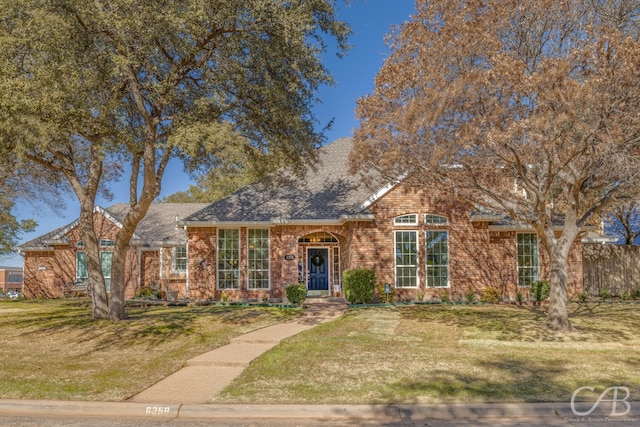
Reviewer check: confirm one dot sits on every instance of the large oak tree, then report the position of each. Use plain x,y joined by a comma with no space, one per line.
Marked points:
526,107
89,86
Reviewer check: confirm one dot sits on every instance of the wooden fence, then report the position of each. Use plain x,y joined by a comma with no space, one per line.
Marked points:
611,267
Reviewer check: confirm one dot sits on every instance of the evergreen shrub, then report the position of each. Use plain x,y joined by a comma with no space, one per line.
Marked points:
296,293
359,285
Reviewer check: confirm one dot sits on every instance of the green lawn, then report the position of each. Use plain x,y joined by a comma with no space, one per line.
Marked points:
396,354
54,350
448,353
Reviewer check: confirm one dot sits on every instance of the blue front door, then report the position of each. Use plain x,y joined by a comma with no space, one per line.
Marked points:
318,265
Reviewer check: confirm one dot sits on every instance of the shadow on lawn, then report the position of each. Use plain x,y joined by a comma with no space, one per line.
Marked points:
516,380
593,323
511,380
144,326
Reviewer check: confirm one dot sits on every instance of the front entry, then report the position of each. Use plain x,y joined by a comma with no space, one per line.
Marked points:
318,267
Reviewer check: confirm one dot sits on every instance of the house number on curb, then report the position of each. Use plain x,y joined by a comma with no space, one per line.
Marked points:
289,257
158,410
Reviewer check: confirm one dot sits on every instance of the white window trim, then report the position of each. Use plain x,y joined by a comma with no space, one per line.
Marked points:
110,271
395,264
406,224
335,252
434,224
268,288
106,243
537,261
86,266
218,260
174,258
426,268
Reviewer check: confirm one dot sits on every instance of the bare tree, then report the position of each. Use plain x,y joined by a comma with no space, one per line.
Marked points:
480,98
624,220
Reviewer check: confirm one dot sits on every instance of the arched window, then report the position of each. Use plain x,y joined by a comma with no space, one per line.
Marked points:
409,219
320,237
430,219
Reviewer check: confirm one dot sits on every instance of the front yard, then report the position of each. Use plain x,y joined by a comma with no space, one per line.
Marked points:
389,354
448,353
53,350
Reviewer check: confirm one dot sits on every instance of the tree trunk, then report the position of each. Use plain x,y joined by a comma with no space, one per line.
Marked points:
96,286
557,316
118,283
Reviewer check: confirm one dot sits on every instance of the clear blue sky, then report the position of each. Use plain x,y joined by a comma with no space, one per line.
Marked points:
370,20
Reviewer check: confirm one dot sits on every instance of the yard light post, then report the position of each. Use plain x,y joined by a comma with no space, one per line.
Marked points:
387,290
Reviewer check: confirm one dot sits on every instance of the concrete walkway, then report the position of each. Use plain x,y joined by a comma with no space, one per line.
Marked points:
206,375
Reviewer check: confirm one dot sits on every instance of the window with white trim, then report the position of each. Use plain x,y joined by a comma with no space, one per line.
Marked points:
527,258
228,258
406,259
411,219
82,273
437,252
258,258
179,259
106,262
430,219
107,243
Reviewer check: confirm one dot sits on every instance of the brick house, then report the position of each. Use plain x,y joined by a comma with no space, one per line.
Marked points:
285,229
282,230
156,256
11,279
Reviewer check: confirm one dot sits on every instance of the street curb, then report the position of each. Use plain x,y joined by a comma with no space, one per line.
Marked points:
30,408
376,412
161,411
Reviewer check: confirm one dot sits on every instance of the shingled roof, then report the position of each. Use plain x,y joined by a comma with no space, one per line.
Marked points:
158,227
160,223
328,194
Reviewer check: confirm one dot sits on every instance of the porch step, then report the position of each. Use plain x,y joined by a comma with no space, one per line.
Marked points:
316,309
324,300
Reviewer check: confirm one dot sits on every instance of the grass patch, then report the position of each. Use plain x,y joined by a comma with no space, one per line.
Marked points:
54,350
445,354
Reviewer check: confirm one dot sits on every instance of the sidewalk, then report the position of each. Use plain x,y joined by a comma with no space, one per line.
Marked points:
530,414
207,374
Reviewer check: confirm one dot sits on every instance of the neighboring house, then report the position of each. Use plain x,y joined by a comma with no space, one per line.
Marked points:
11,279
156,256
286,229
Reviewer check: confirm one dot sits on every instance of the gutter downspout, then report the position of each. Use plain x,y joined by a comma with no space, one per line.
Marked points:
186,290
139,266
161,263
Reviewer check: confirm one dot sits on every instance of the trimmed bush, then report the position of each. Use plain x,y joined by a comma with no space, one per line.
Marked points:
470,295
582,297
296,293
145,292
444,296
540,290
491,295
359,285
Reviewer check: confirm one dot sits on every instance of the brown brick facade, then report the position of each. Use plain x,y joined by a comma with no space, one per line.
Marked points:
478,256
46,273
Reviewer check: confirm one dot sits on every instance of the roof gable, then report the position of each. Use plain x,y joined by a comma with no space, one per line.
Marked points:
327,193
158,227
